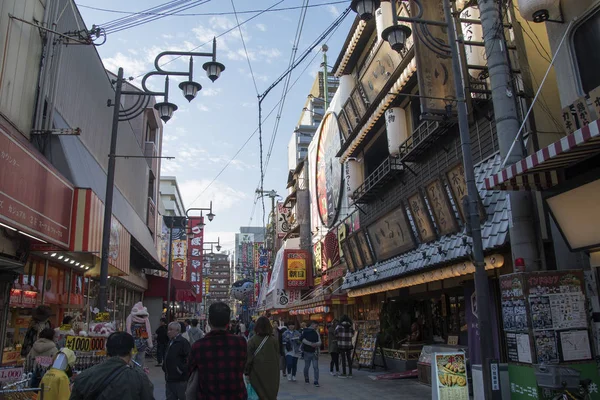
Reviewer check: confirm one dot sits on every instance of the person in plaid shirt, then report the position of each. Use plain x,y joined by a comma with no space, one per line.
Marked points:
220,359
344,333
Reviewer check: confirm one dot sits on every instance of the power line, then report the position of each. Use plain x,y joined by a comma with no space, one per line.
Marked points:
245,49
149,11
208,14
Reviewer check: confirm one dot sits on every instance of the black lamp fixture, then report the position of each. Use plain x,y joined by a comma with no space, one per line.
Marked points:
365,8
396,35
165,110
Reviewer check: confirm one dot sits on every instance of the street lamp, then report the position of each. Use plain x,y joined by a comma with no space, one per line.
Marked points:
396,35
165,110
210,214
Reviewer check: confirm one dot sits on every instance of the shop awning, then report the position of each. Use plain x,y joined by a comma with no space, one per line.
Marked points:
539,170
180,290
321,301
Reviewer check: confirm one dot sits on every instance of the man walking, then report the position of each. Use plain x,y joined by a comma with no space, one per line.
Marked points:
220,359
312,343
114,378
162,340
195,333
176,363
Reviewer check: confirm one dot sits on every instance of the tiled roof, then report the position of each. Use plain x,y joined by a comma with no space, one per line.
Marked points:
494,233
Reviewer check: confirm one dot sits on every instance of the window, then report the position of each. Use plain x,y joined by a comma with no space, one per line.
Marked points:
150,133
586,41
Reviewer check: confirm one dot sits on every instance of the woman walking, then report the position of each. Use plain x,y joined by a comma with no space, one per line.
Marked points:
262,366
344,333
291,344
333,348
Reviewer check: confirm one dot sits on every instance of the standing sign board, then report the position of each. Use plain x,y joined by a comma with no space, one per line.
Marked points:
449,376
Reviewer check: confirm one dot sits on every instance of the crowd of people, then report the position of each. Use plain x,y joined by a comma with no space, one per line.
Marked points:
231,360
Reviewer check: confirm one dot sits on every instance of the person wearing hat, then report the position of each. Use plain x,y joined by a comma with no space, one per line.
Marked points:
56,382
39,321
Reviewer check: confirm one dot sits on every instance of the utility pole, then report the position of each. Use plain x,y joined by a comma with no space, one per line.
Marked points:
522,234
324,48
272,194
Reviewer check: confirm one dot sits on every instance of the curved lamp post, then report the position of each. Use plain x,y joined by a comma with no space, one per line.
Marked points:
165,110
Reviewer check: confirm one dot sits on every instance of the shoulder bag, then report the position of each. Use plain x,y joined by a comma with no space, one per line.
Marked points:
252,395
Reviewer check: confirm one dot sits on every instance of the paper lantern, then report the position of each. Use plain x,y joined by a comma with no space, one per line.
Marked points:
474,33
397,130
383,18
344,89
539,10
353,176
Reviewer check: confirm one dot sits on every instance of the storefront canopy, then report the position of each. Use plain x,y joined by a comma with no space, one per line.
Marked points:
539,170
180,290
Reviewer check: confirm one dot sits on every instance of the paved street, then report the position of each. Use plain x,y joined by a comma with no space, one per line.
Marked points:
358,388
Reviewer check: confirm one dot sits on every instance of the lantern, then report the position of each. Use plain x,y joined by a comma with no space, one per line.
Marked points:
397,130
539,10
473,32
344,89
353,176
383,18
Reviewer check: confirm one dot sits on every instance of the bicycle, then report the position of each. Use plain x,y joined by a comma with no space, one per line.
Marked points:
563,383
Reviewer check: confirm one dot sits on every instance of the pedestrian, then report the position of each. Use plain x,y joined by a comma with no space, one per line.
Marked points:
280,331
56,382
251,328
162,341
41,355
184,332
344,333
262,366
219,359
333,348
195,333
312,342
63,331
242,328
188,325
40,317
176,363
291,343
114,378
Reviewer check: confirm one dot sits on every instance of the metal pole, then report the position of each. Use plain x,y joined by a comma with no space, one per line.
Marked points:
481,278
522,234
169,273
325,82
273,228
108,201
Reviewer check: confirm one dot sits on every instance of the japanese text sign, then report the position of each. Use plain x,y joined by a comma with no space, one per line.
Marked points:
195,254
297,272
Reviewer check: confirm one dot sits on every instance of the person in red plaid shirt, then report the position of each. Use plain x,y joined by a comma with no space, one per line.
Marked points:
220,359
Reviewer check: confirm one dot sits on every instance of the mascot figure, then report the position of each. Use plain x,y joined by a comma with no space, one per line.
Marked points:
138,325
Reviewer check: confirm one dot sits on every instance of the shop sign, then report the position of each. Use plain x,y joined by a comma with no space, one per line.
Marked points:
15,297
458,188
195,254
23,298
85,343
595,98
9,357
297,268
284,218
436,81
101,317
441,208
449,376
317,258
342,233
391,235
332,274
421,217
331,251
365,248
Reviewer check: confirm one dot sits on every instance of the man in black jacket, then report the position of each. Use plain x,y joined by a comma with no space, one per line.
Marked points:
162,341
176,363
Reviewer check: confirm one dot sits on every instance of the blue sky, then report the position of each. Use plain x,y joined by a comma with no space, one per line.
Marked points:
206,133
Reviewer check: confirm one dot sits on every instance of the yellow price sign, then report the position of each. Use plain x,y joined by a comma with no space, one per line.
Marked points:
84,343
102,317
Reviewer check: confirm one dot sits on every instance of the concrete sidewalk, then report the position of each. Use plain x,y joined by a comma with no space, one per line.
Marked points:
358,388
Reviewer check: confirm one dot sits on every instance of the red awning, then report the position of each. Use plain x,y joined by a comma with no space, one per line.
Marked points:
538,171
180,290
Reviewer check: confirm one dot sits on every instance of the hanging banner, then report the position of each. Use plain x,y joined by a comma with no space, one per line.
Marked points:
436,81
331,251
297,269
195,254
317,258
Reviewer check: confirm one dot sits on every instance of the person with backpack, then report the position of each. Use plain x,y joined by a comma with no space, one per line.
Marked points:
344,333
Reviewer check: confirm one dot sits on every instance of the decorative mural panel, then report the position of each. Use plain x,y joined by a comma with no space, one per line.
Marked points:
353,247
391,235
344,125
458,188
441,208
421,217
350,114
365,248
348,256
381,67
329,171
359,102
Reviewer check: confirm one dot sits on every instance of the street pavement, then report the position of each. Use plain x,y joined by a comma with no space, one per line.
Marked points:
360,387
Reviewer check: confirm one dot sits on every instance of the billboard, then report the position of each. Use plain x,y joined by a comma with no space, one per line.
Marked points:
195,254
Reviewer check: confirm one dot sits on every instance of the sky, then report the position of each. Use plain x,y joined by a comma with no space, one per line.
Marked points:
205,134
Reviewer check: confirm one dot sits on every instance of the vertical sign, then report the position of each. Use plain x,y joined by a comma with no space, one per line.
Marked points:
436,81
195,245
441,208
284,222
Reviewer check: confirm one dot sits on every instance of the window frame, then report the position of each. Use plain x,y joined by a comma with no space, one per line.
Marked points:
585,17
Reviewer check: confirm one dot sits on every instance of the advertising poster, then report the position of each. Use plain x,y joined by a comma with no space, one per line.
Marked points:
450,376
297,269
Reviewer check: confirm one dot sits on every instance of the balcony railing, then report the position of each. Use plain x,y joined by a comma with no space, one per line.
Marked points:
371,187
422,139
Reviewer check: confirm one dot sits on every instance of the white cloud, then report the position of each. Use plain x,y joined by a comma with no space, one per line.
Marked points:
333,11
132,66
261,27
203,108
227,239
224,197
210,92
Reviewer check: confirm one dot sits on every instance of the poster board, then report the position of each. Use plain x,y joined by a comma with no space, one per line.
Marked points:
449,376
366,344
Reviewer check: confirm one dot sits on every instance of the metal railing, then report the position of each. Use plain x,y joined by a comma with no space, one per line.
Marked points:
385,172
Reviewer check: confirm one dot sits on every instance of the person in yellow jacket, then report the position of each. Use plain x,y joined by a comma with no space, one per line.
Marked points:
56,384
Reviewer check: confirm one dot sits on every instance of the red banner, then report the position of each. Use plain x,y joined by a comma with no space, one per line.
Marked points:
331,251
33,197
297,269
195,254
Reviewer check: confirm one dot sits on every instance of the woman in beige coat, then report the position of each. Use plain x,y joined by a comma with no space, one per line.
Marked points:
262,366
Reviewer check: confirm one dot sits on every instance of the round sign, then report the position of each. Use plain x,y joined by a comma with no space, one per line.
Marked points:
329,171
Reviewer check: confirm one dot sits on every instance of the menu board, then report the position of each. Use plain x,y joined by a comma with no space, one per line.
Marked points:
366,343
546,348
450,376
514,313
